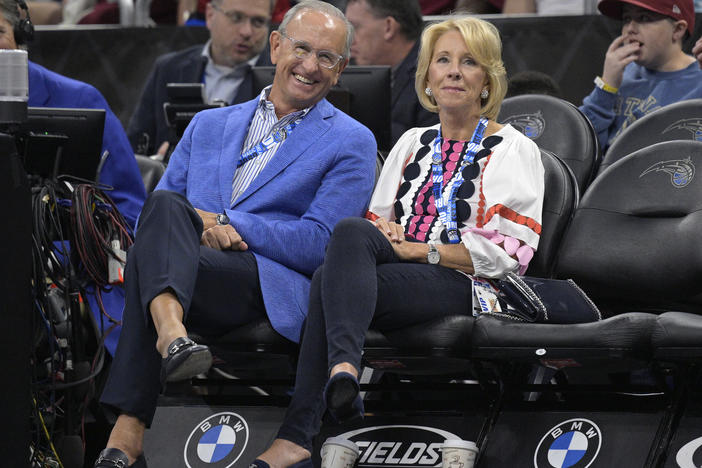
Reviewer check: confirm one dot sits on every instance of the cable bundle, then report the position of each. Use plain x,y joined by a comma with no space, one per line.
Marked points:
79,236
100,233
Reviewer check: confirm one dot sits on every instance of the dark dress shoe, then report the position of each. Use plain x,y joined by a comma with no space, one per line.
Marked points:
115,458
342,397
185,360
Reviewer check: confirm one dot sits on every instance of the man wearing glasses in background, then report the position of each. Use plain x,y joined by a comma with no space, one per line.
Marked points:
239,221
238,32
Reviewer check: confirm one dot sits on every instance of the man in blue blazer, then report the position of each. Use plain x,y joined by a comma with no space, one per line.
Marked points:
238,32
239,221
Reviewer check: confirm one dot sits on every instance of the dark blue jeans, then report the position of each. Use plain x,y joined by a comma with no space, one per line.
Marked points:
362,284
218,290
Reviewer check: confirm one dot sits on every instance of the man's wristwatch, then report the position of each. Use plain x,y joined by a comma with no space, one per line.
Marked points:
222,219
433,256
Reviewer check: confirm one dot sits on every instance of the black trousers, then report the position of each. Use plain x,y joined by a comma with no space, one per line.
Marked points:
217,289
361,284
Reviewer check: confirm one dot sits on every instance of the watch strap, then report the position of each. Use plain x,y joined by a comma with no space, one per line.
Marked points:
433,256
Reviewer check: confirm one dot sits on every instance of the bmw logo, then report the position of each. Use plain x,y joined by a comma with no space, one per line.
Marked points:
216,442
572,443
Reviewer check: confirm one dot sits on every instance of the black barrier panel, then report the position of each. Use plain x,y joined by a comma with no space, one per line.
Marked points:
402,442
15,307
685,450
204,436
572,439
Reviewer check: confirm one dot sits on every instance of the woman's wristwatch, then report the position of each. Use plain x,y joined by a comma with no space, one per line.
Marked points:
433,256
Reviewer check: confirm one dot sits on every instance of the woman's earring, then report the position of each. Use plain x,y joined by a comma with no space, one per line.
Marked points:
427,91
484,93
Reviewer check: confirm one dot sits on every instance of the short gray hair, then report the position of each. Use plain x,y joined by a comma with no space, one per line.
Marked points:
324,7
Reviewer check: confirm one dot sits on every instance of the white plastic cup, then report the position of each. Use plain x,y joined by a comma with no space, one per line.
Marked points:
338,452
14,78
457,453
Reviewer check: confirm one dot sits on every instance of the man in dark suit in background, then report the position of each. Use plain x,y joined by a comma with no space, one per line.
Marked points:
238,33
387,33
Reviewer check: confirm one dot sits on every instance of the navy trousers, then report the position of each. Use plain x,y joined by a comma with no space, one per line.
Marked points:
217,289
362,284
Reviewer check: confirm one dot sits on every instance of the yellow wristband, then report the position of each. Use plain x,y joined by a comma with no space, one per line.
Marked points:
599,82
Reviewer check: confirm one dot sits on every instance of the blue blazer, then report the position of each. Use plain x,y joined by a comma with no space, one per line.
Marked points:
323,172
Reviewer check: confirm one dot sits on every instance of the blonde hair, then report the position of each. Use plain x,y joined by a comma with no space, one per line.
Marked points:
483,41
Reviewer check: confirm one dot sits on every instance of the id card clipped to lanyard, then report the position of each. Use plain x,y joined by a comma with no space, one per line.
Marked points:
447,210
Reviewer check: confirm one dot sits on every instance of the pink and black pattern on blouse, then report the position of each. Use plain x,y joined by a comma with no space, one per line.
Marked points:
414,205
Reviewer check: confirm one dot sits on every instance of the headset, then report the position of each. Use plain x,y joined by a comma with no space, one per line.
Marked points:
24,30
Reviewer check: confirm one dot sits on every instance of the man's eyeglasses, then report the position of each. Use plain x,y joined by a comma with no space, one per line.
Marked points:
302,50
257,22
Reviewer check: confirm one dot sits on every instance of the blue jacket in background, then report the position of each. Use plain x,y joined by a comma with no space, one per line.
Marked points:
49,89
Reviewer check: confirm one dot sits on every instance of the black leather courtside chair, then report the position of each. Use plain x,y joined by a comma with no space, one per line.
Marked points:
557,126
633,245
679,121
560,200
151,171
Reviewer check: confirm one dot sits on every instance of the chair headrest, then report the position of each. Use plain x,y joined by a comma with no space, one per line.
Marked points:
679,121
557,126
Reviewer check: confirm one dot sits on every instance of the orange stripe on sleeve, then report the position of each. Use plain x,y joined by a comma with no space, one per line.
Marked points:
513,216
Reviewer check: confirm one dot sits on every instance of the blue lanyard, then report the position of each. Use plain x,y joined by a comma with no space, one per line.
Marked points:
278,136
447,210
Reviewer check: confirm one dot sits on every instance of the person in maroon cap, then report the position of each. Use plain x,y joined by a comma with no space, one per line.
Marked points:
645,68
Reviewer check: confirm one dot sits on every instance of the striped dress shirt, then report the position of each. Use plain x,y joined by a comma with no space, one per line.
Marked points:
264,123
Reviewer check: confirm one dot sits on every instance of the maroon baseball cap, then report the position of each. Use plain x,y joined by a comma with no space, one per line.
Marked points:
676,9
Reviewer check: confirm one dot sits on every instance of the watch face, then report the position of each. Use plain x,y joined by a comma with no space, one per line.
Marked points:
433,257
222,219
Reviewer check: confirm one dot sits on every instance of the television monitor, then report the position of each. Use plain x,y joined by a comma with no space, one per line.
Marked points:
58,141
363,92
184,101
